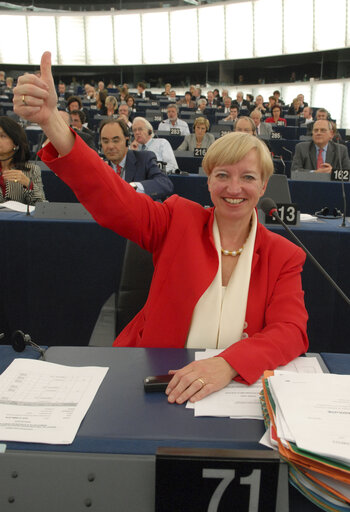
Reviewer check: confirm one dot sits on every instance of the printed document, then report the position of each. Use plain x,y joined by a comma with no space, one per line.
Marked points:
241,401
43,402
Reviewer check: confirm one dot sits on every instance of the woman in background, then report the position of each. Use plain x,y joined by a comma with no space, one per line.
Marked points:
20,180
200,138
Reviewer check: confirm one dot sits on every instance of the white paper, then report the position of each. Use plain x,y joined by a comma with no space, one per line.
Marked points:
43,402
241,401
16,206
316,409
306,217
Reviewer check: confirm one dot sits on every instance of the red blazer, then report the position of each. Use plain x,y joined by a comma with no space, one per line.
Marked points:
179,234
271,120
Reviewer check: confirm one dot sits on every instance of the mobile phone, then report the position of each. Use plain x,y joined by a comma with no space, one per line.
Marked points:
156,383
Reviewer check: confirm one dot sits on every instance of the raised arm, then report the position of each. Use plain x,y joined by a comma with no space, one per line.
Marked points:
35,100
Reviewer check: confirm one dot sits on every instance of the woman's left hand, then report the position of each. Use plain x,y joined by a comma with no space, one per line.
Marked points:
17,176
198,379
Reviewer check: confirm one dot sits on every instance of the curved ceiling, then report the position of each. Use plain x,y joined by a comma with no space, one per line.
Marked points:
102,5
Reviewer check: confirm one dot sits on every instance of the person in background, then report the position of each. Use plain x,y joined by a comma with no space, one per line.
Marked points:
212,102
77,120
61,92
166,91
303,103
138,168
187,101
245,124
271,103
74,103
101,102
208,261
321,115
130,101
320,155
263,130
240,101
277,96
295,108
124,112
142,93
111,105
20,180
201,138
201,105
144,141
307,117
259,104
226,106
123,93
276,116
173,121
234,111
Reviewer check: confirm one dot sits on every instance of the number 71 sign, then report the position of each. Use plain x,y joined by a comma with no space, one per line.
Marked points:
203,480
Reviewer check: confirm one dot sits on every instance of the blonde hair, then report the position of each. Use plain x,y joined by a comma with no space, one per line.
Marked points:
202,120
232,148
111,100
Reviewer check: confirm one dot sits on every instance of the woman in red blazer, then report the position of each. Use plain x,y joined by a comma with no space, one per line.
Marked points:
196,252
276,116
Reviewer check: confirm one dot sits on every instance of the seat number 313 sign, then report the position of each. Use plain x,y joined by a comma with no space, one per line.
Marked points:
246,481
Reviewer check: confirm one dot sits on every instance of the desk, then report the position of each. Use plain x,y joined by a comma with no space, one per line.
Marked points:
116,443
56,275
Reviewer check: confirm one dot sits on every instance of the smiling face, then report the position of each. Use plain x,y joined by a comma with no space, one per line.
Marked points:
235,189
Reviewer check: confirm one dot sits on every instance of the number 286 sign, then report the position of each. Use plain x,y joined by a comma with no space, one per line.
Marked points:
246,482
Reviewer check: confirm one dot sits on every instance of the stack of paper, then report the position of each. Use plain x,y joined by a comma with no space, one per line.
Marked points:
309,418
239,400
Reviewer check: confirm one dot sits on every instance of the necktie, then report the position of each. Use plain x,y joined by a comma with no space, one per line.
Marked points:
319,158
119,169
143,147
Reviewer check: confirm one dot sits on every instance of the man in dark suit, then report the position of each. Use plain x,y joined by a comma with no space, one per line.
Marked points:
321,154
142,93
139,168
240,101
77,120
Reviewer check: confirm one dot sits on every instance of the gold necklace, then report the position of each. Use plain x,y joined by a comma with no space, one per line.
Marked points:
225,252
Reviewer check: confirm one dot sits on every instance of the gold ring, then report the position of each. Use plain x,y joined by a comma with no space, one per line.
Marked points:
202,381
24,100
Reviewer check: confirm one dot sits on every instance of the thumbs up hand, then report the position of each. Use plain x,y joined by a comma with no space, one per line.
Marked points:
35,98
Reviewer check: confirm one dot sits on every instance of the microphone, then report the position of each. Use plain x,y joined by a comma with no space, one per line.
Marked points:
288,151
283,163
269,207
19,341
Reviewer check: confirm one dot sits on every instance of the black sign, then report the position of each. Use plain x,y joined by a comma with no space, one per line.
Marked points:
175,131
157,118
288,213
340,175
275,135
215,480
224,132
199,151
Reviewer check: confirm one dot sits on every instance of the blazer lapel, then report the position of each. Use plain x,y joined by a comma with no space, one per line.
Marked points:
330,156
130,166
313,158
